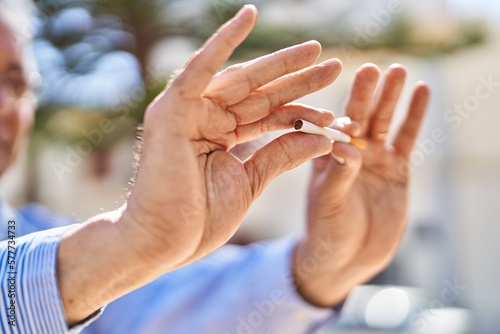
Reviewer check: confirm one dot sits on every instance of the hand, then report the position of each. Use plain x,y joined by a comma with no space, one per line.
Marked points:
358,201
190,193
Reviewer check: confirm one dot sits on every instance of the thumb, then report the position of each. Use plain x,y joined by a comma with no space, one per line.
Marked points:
339,170
281,155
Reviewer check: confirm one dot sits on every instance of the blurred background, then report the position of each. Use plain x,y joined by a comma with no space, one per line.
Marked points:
101,62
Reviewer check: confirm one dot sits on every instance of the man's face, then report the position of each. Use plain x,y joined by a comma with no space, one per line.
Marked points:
15,120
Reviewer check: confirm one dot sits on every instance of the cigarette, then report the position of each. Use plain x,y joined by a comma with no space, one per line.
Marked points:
332,134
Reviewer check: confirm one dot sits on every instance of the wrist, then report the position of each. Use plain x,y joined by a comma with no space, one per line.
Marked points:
149,255
150,246
94,267
318,277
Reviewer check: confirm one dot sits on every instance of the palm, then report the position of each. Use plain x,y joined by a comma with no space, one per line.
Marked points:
229,193
229,185
205,191
382,191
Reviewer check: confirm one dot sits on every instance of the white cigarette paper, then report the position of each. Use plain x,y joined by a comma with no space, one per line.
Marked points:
332,134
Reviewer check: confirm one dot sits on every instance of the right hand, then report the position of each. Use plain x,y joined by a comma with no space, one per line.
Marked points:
191,194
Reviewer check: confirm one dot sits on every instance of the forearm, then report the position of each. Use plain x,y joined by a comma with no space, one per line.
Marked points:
322,275
325,272
97,264
316,274
235,289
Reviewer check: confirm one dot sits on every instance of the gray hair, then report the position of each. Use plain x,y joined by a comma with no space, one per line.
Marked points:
16,14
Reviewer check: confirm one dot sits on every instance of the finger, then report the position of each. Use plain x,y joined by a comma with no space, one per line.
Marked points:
339,121
351,128
346,165
201,68
345,125
281,119
360,101
407,134
237,82
284,90
340,168
348,127
387,99
282,154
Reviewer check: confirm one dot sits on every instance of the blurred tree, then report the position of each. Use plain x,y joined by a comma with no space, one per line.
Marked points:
146,19
93,54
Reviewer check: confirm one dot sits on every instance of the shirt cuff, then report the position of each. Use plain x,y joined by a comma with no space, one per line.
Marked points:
77,328
279,259
39,304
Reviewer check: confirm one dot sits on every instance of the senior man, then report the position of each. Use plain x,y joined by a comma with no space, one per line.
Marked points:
191,194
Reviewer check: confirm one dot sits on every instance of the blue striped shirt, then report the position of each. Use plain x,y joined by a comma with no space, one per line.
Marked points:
239,290
29,298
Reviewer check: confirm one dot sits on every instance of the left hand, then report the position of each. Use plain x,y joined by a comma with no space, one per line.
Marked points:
358,201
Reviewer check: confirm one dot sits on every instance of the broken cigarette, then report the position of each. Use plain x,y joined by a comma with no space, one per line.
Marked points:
332,134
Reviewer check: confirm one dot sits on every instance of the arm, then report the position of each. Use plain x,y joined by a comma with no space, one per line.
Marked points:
234,290
358,202
190,193
30,300
255,286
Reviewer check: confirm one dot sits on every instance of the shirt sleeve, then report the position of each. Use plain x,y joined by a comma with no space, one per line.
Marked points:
275,306
240,290
30,301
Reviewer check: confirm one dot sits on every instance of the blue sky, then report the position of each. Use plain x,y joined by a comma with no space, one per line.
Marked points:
490,8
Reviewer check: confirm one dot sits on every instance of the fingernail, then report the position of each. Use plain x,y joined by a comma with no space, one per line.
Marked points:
341,121
356,132
339,159
312,41
242,10
331,62
250,6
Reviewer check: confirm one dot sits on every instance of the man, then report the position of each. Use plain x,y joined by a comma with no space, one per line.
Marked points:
191,194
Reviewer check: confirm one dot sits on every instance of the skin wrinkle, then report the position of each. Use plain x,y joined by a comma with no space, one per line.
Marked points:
295,61
252,82
254,178
236,117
